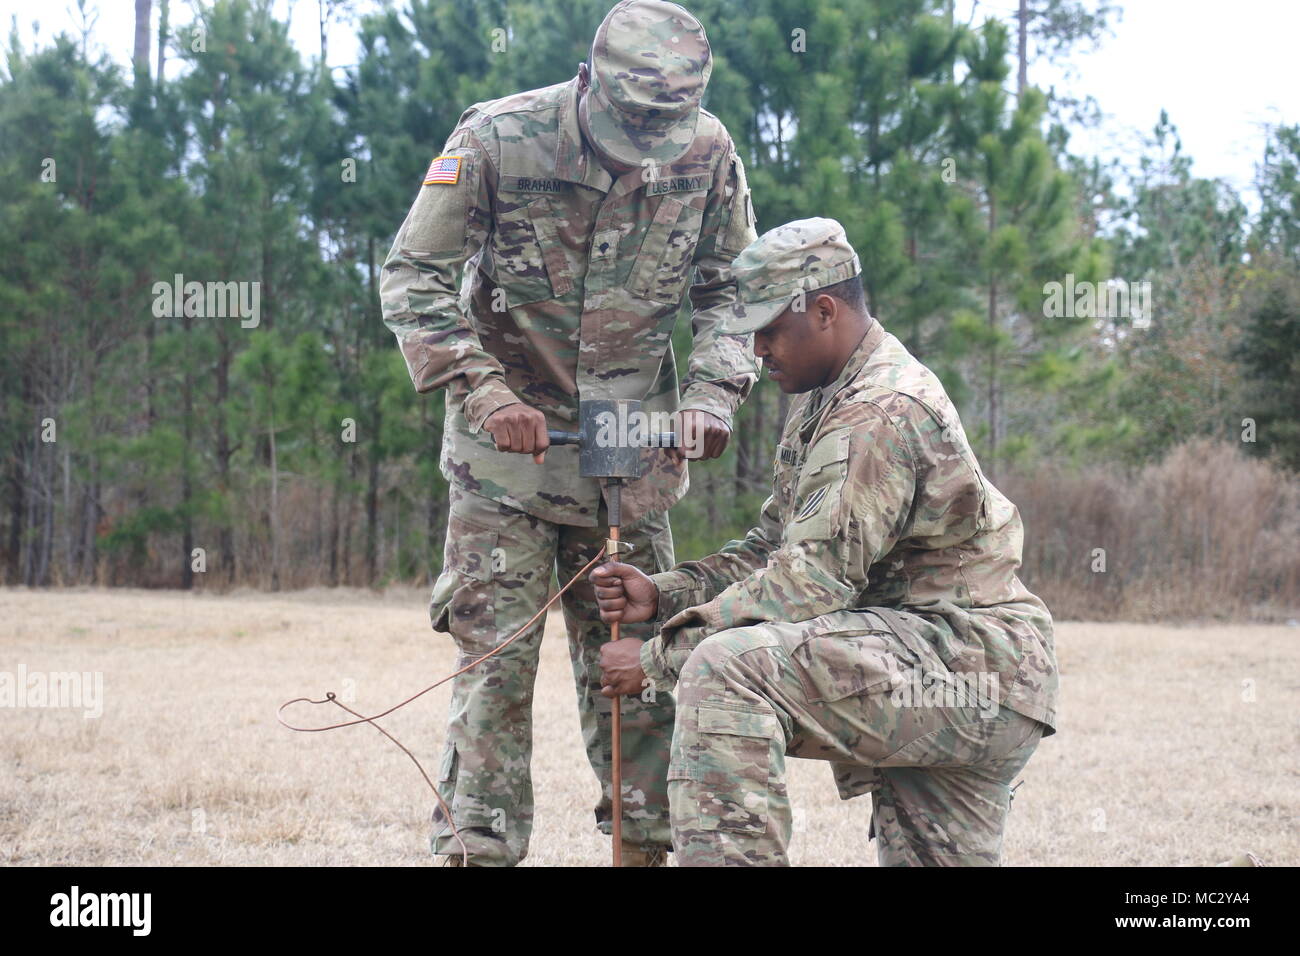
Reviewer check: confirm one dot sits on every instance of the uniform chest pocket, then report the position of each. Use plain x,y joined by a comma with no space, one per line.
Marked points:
663,263
529,261
818,508
784,474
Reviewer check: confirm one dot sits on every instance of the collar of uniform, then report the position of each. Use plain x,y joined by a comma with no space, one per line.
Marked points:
574,161
821,399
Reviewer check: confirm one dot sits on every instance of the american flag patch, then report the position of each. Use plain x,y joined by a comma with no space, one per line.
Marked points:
443,169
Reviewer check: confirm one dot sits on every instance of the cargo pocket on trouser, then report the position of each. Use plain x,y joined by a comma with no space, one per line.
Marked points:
726,764
835,666
462,603
467,811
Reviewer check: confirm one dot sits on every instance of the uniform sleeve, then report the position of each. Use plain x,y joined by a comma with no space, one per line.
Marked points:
853,504
721,369
420,288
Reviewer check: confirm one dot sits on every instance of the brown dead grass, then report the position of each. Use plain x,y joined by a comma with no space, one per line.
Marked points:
1159,759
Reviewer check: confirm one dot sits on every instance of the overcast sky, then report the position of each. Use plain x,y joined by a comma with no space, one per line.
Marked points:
1222,70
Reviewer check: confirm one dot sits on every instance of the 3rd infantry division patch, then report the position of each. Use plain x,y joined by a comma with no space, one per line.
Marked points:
812,503
443,169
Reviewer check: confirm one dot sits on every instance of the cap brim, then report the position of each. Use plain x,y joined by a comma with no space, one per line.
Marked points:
633,146
747,317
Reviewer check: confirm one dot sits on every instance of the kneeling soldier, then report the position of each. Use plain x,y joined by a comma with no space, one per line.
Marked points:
873,619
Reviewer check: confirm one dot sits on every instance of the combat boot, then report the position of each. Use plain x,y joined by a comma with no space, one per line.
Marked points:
1246,859
644,856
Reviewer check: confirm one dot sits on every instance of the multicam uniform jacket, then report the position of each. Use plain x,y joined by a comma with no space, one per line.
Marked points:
577,278
879,503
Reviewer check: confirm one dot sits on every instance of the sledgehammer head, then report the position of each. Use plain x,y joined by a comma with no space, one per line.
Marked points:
611,433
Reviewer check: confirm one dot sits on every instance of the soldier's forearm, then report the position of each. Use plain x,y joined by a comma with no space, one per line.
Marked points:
717,398
692,583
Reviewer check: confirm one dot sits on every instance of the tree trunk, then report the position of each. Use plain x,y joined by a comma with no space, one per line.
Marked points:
69,545
47,526
335,522
372,507
320,10
143,11
162,39
93,513
914,340
349,516
226,536
1022,48
17,503
187,488
711,498
744,454
991,467
275,506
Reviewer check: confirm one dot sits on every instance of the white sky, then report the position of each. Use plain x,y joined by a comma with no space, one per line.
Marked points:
1222,70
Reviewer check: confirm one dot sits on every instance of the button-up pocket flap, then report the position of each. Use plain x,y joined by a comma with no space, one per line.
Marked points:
464,596
729,763
548,238
664,261
519,264
739,723
471,550
829,451
783,474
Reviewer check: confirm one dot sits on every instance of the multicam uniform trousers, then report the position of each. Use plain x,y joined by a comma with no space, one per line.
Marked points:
939,765
498,565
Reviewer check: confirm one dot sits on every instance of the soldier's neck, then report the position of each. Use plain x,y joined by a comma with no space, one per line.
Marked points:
847,356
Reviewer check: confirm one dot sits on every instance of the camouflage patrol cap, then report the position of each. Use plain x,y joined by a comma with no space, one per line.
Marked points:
800,256
650,63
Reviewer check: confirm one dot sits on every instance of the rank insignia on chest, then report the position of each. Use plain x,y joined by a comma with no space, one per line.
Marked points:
444,170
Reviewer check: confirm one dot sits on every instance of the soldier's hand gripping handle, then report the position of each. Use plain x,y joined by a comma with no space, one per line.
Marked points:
701,435
624,594
519,428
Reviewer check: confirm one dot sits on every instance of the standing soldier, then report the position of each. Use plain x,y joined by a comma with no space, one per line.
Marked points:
873,618
586,210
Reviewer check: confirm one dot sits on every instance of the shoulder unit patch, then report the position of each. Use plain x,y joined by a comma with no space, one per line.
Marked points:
812,504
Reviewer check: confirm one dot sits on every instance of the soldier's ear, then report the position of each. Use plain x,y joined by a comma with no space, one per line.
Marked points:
584,76
825,311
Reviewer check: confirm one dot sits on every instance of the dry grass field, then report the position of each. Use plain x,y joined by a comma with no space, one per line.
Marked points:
1177,746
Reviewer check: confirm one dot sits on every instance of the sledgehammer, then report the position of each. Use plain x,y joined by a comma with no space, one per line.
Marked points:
611,435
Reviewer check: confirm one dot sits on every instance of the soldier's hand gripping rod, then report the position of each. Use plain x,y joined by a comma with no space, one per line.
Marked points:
610,438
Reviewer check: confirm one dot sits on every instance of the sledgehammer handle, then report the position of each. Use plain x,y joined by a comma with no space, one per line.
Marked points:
658,440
